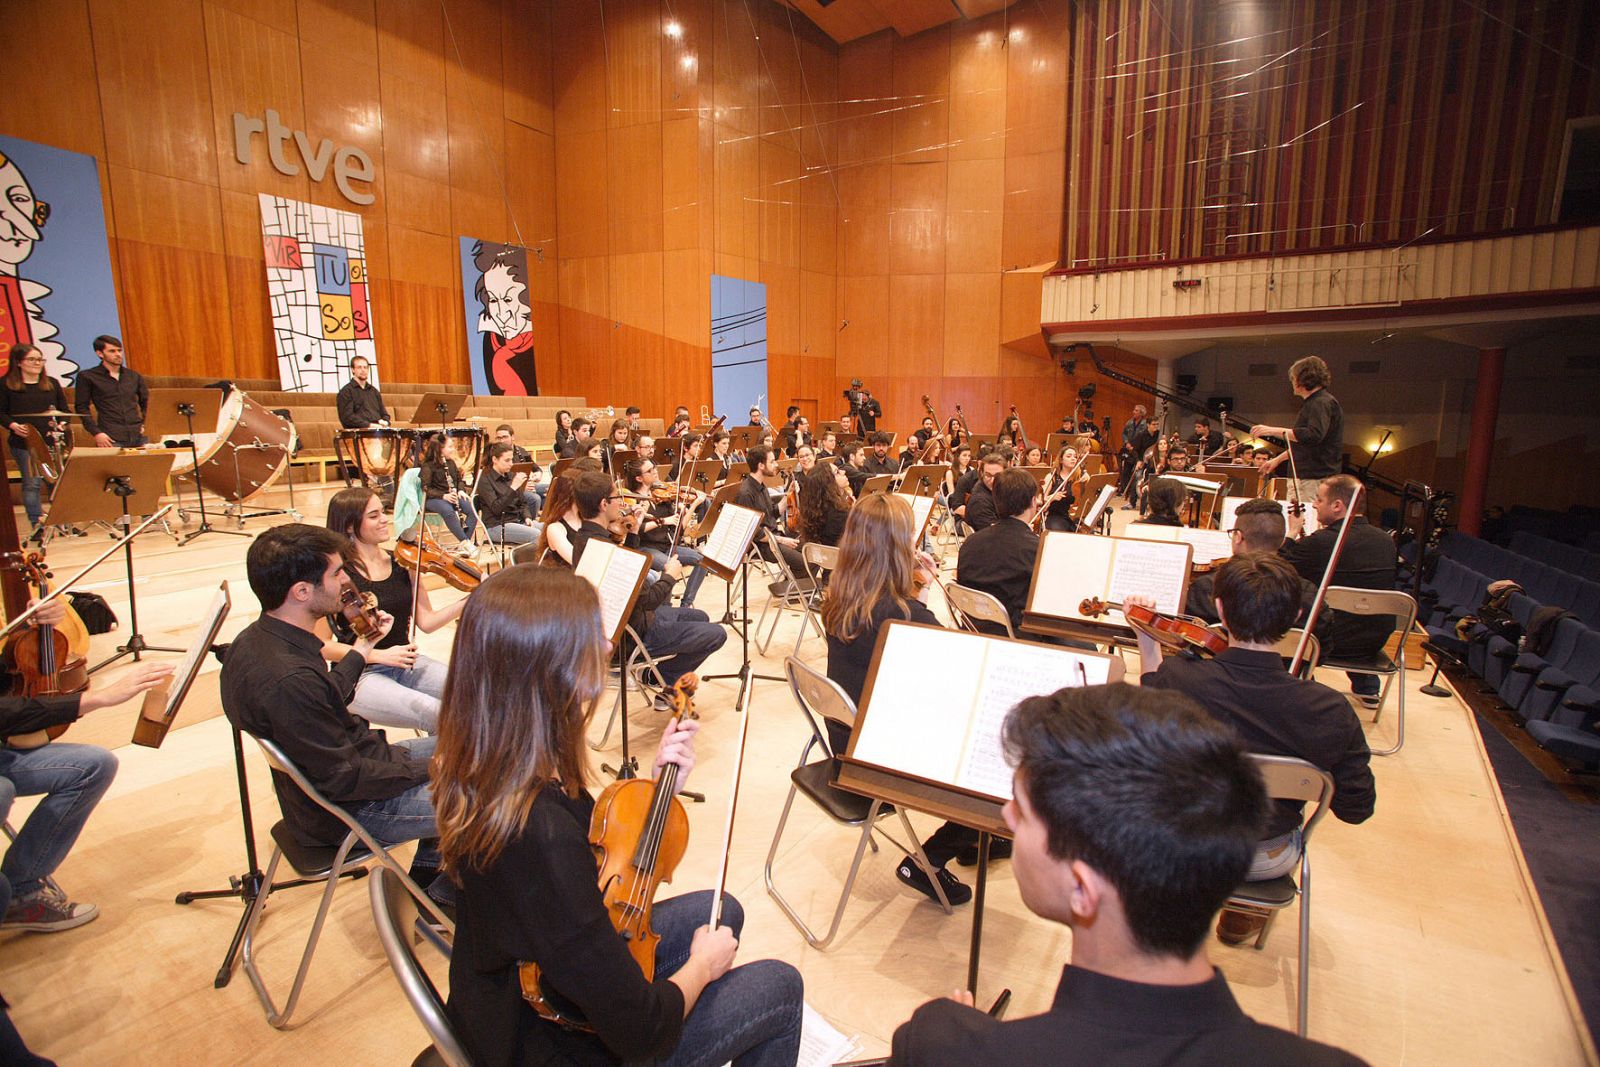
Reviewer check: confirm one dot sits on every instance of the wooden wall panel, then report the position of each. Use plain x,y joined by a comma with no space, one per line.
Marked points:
39,104
155,91
917,199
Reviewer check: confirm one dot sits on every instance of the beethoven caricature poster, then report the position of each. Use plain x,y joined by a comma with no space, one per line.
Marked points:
494,281
55,262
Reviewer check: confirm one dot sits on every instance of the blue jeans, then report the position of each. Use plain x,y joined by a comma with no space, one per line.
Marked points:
394,696
407,817
514,533
443,508
750,1016
690,558
31,482
1364,685
72,779
680,639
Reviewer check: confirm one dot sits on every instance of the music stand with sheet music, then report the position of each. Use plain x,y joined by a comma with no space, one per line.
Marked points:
878,483
161,704
96,486
947,768
617,574
726,552
923,479
172,412
1071,568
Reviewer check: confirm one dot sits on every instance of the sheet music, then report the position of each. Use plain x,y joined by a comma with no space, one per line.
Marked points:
1230,512
1198,485
1208,545
915,726
1072,567
921,507
1148,569
1092,516
731,536
821,1044
614,573
189,666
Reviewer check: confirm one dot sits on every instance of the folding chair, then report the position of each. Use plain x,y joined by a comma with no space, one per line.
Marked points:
820,698
1403,610
819,559
975,607
359,848
788,593
395,913
1287,778
645,673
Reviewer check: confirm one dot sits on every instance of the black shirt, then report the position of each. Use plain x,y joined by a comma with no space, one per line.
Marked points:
887,465
652,596
23,405
24,715
1208,444
857,477
980,507
1318,447
441,478
833,520
1100,1021
964,485
276,685
1369,561
119,404
539,902
360,406
497,502
998,560
394,596
848,660
1276,713
753,494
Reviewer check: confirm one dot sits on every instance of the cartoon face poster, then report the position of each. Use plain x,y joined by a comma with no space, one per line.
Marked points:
55,262
499,318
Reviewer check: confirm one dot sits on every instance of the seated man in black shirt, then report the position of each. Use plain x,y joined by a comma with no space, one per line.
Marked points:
506,434
855,467
679,639
361,405
1205,441
277,686
878,459
1258,526
998,559
753,494
1369,561
979,510
1247,689
578,443
1135,816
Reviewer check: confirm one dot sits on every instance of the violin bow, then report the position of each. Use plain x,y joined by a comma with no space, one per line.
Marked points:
1327,580
416,576
62,587
742,709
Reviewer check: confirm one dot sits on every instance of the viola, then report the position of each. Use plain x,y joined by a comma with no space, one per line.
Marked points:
359,610
426,554
639,832
41,659
1182,632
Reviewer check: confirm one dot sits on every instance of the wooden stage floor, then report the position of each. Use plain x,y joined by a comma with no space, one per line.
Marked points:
1428,945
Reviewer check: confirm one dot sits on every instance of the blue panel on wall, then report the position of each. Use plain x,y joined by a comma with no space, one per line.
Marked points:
738,347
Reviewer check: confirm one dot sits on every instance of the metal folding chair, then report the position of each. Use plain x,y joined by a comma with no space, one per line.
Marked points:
645,674
397,915
788,593
975,606
1403,610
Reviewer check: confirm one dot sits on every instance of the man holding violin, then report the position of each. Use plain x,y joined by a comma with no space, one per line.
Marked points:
71,779
1247,688
665,509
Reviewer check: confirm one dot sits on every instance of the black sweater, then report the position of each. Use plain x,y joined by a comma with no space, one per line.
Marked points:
24,404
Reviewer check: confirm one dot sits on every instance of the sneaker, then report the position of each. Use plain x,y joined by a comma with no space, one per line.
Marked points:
1371,703
999,849
466,549
46,913
957,891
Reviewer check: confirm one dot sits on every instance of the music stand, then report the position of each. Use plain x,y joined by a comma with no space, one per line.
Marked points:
923,479
172,412
878,483
97,488
744,438
441,408
667,452
702,474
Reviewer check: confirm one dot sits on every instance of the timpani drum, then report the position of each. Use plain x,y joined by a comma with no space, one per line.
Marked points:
378,453
249,451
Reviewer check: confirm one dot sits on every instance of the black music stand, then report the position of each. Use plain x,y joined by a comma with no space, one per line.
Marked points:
172,412
85,494
441,408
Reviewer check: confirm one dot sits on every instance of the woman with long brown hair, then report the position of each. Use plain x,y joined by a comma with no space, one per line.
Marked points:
28,390
400,686
513,814
560,522
874,583
825,503
446,491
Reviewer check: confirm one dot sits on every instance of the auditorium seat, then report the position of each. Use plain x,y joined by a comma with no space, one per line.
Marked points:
1527,666
1569,732
1552,683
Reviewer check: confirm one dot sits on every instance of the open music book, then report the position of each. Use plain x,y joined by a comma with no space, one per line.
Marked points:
943,725
921,508
1209,545
730,538
617,574
1073,567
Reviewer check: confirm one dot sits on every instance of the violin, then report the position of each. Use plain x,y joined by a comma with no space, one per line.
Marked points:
426,553
1182,632
359,610
639,832
42,661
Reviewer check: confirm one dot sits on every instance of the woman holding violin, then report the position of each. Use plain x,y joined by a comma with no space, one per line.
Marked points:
1060,491
519,832
559,521
825,502
400,686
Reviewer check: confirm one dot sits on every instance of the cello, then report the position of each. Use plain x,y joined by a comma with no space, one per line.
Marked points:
639,832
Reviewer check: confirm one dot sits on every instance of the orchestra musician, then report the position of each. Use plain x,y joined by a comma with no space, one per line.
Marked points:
635,429
959,478
757,420
1368,561
798,435
559,521
398,685
276,685
619,439
120,398
645,445
506,434
512,786
578,443
1032,456
1258,598
1058,512
878,459
912,453
978,511
446,495
563,433
501,501
27,390
855,467
1167,499
876,581
1206,441
753,494
680,422
70,778
688,452
827,445
825,503
998,558
660,520
679,639
720,445
1258,527
1110,783
360,404
1317,438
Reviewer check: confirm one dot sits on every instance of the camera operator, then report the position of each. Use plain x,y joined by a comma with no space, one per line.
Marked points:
865,411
